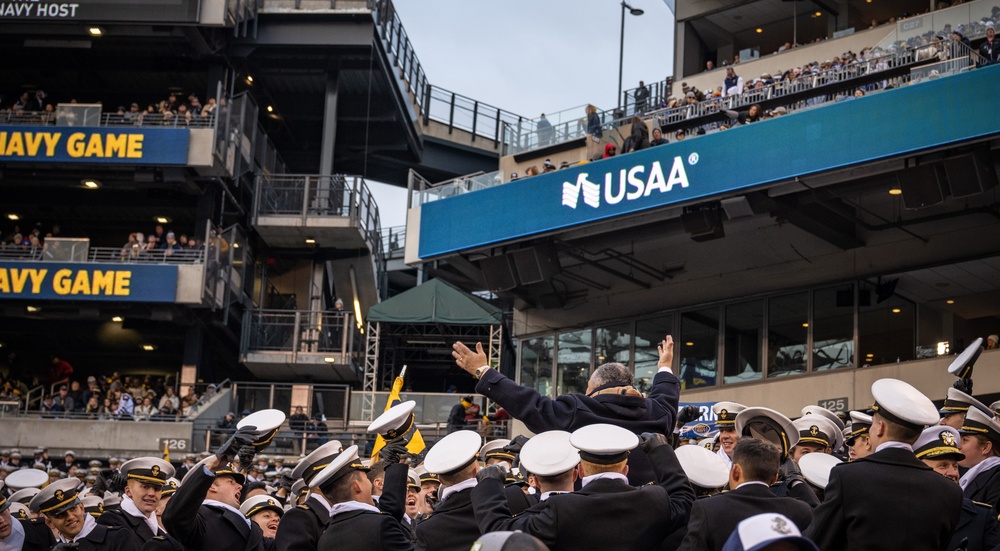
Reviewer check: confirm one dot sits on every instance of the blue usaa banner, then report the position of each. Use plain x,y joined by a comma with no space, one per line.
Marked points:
125,145
887,124
82,281
704,425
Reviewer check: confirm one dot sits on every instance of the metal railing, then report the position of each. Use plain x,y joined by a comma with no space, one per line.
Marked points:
464,113
393,240
476,181
435,103
336,195
399,48
103,255
301,331
152,120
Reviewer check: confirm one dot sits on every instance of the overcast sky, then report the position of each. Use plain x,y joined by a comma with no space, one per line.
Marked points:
532,56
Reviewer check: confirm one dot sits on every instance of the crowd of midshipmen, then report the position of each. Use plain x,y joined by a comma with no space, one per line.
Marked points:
597,474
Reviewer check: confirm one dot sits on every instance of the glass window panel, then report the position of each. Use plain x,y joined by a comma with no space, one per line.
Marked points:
886,329
536,364
788,328
699,347
833,328
574,361
613,344
648,335
744,340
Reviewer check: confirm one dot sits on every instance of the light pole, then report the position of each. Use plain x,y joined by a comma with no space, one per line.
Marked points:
621,49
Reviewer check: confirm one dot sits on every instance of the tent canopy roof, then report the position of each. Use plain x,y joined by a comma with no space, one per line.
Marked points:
436,301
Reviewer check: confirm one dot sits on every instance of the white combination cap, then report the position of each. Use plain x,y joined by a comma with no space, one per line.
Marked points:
549,454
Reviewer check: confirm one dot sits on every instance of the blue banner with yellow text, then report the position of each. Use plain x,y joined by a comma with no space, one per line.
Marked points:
80,281
126,145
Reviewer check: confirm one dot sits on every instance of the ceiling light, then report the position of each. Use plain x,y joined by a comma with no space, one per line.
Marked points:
689,343
32,309
895,191
270,109
329,359
90,183
310,241
896,310
805,324
148,347
162,220
13,216
817,14
949,301
759,30
117,319
249,79
95,31
236,245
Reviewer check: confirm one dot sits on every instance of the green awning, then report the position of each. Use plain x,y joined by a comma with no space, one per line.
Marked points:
436,301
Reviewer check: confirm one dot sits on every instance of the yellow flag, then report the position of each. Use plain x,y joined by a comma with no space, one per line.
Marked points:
166,451
416,443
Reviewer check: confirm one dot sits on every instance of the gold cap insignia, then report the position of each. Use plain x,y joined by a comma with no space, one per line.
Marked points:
813,430
60,496
948,438
723,414
271,503
155,470
780,526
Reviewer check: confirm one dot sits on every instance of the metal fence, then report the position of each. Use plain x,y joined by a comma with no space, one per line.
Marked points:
103,255
301,331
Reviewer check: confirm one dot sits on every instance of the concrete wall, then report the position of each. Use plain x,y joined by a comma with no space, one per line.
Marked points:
789,394
87,437
200,147
189,283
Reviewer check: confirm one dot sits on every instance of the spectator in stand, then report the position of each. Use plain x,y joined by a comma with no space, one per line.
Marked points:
146,410
641,98
93,407
93,389
610,150
209,109
594,124
160,234
227,424
183,115
166,112
185,409
133,114
61,370
62,401
658,138
298,421
990,48
544,129
107,409
753,114
709,65
126,405
47,408
639,134
170,245
195,106
318,431
131,248
76,394
170,400
733,84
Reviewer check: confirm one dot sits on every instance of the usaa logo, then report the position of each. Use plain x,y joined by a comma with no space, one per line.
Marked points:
631,184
